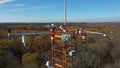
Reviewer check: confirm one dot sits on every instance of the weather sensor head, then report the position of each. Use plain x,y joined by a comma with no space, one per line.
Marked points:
80,31
9,31
104,35
48,63
52,27
72,53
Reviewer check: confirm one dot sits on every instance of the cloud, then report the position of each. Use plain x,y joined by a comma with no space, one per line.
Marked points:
18,5
5,1
29,8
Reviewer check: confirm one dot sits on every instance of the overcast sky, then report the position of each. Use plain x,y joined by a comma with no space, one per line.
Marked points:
53,11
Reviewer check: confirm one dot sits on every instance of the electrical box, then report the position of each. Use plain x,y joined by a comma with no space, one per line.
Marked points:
66,37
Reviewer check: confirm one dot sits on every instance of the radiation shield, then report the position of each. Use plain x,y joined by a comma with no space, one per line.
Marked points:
23,38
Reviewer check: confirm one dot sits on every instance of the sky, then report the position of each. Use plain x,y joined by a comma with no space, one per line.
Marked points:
53,10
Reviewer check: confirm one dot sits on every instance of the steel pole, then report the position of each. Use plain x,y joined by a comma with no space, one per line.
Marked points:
65,12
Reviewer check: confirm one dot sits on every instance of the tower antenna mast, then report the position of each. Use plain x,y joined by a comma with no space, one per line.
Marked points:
65,12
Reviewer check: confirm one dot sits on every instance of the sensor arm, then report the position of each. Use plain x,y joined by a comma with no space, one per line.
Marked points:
99,33
94,32
34,33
